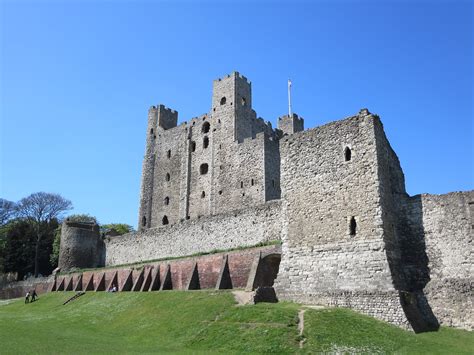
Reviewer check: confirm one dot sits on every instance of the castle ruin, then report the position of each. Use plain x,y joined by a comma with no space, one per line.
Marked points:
333,196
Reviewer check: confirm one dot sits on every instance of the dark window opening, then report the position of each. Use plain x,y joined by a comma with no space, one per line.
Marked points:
167,201
352,227
273,183
347,154
203,194
188,217
252,182
143,221
223,100
168,177
165,220
244,101
193,146
205,142
220,192
206,126
241,184
169,154
203,169
151,131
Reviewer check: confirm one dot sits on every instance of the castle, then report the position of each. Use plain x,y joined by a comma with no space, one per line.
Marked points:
333,196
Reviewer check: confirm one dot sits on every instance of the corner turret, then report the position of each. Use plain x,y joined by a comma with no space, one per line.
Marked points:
290,124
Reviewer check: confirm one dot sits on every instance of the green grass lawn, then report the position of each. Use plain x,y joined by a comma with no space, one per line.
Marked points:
202,321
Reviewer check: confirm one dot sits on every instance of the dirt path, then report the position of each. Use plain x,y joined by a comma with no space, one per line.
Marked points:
301,327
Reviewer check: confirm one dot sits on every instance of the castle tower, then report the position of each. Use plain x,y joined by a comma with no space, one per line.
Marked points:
232,103
290,125
159,118
81,246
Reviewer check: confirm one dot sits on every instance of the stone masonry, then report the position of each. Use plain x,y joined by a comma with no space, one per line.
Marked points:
334,196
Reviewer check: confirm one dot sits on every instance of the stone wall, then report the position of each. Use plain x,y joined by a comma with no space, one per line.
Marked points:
447,225
224,231
333,252
20,288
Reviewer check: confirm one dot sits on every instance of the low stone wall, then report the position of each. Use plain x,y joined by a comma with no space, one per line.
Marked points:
20,288
381,305
243,228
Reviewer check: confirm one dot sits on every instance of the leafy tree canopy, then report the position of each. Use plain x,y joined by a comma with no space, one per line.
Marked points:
120,228
40,209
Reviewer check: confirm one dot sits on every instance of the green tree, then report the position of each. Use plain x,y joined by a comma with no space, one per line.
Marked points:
54,256
120,228
39,209
20,240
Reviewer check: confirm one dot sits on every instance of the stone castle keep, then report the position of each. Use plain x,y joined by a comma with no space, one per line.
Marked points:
323,215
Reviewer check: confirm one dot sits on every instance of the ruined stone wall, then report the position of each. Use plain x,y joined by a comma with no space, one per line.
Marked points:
323,189
447,225
224,231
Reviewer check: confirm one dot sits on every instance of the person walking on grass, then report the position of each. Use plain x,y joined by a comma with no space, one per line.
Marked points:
27,297
34,296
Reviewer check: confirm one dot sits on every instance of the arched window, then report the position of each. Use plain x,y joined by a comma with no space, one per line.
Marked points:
193,146
203,194
167,200
241,184
206,126
165,220
252,182
168,177
223,100
244,101
151,131
169,154
347,154
143,221
352,227
203,169
205,142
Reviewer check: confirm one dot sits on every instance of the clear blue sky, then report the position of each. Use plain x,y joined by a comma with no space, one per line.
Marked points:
77,80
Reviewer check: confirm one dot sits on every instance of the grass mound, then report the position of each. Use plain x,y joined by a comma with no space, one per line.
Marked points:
202,321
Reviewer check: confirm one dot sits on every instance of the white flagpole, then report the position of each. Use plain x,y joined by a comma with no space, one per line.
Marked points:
289,97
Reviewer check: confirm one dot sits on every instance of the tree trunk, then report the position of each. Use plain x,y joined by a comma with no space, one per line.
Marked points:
37,247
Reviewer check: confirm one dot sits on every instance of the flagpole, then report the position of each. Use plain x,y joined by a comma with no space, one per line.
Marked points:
289,97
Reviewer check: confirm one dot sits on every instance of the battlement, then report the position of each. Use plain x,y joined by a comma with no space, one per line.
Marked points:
234,74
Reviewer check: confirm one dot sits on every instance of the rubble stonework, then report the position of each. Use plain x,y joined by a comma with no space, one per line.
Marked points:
81,246
334,196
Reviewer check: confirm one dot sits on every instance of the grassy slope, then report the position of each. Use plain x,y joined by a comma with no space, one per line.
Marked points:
173,321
